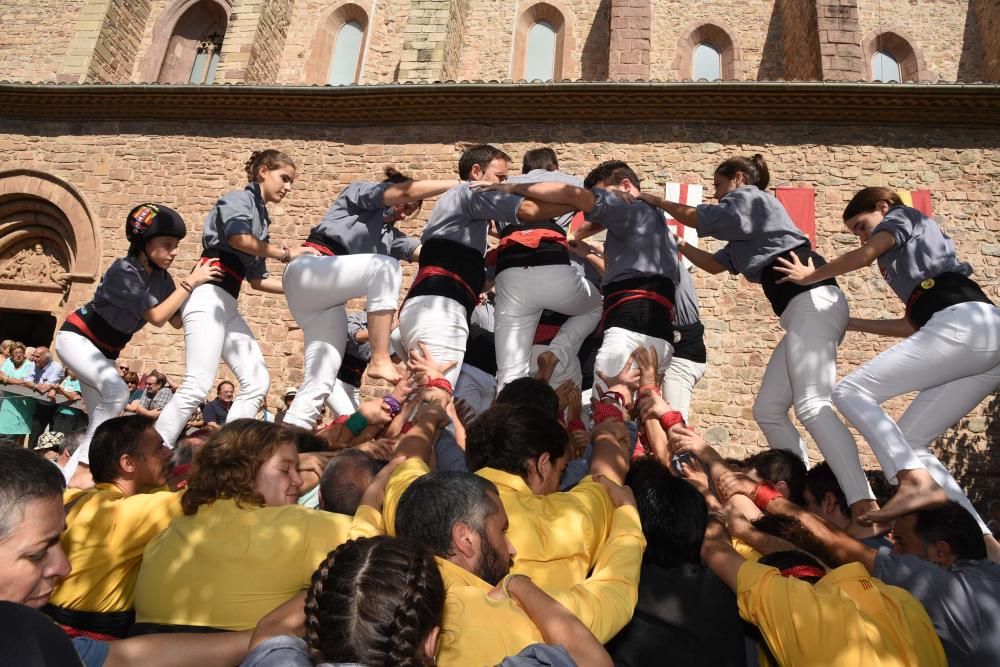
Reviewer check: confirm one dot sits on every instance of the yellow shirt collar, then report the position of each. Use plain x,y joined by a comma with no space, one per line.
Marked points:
505,480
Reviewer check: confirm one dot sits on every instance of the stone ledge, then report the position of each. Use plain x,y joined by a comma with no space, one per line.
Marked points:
970,105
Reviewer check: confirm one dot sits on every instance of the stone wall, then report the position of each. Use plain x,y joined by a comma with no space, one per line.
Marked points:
960,167
272,41
36,36
750,29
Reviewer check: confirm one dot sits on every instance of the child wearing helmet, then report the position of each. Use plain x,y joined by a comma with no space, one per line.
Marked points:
135,289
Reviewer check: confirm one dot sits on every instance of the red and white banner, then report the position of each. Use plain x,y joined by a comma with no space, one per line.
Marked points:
689,194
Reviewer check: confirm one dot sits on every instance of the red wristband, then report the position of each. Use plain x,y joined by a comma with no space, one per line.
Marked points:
342,419
440,383
604,411
763,494
672,418
575,425
652,387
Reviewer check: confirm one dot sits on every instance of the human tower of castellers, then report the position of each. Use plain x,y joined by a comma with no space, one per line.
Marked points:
516,521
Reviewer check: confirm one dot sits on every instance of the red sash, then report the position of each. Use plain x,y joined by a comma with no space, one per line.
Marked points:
215,261
322,248
532,238
78,322
634,295
430,271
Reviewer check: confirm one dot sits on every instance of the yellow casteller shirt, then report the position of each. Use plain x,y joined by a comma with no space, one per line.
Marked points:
847,619
481,631
105,536
227,566
557,536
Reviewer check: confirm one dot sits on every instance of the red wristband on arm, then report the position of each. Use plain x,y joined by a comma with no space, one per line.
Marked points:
575,425
440,383
604,411
763,494
672,418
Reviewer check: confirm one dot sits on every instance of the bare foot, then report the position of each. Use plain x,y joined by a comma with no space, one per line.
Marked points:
917,491
860,528
383,370
547,362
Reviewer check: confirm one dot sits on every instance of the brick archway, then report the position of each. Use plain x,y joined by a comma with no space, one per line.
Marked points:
560,20
163,31
321,47
38,210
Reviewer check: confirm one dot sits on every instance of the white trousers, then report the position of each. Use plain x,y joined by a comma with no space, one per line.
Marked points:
441,324
682,376
522,294
563,371
214,331
801,373
618,344
103,391
477,388
317,289
344,399
954,362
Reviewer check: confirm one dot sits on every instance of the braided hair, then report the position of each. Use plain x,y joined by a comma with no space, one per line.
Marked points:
270,158
374,601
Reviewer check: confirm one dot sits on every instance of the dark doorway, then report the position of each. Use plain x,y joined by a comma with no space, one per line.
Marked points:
31,328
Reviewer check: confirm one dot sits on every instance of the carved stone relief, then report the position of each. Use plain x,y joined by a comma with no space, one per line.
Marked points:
35,261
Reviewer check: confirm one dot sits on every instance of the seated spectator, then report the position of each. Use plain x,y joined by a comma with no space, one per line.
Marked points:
215,411
522,450
155,396
47,373
243,545
109,526
49,445
684,610
287,397
134,392
67,418
265,414
31,562
16,412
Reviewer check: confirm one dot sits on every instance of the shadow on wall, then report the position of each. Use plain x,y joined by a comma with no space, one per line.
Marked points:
772,60
597,45
977,469
970,63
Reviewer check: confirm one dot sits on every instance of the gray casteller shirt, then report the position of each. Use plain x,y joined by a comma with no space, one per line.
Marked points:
963,602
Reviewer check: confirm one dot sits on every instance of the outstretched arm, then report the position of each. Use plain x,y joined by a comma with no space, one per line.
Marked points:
411,191
899,328
686,215
805,274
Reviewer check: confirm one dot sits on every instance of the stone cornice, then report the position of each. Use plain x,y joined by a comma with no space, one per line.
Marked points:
976,105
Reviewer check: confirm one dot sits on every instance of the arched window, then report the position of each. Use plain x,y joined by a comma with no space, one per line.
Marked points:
706,62
706,51
346,53
541,44
540,54
885,67
192,53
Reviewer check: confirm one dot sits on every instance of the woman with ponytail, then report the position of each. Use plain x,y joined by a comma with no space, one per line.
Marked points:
236,240
803,367
951,351
358,248
135,289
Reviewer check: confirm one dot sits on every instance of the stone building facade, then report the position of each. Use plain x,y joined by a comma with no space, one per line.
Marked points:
83,141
